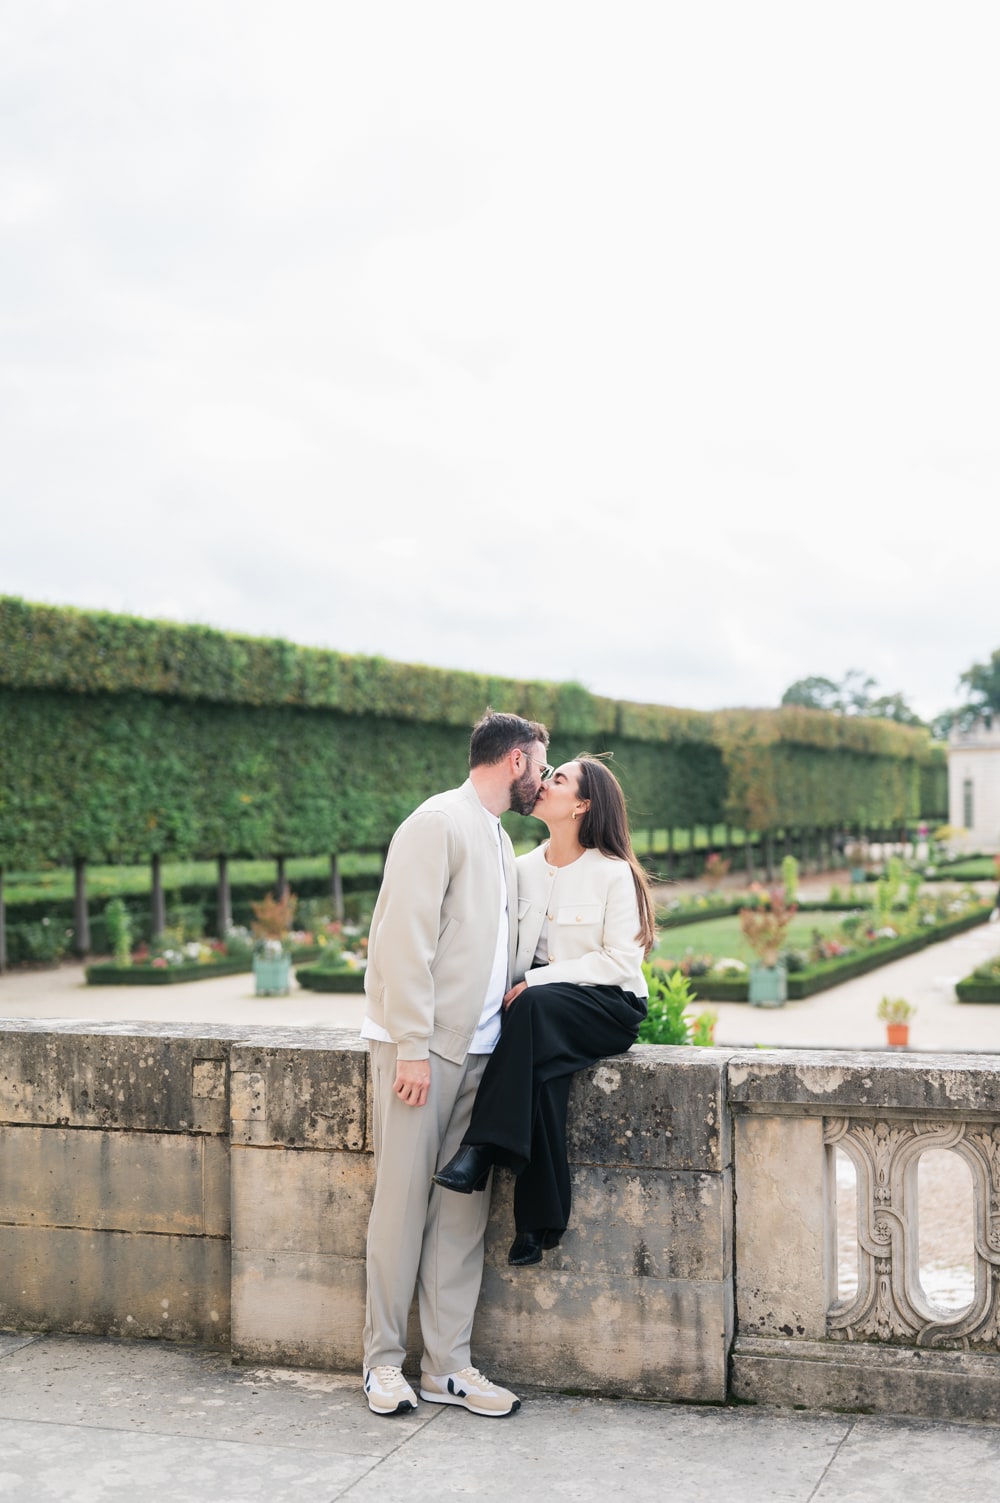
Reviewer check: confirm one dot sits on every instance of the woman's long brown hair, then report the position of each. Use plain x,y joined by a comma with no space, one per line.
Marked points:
604,828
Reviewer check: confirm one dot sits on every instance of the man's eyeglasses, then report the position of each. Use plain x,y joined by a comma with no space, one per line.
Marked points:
547,771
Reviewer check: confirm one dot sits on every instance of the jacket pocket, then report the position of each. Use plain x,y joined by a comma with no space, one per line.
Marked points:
445,939
581,913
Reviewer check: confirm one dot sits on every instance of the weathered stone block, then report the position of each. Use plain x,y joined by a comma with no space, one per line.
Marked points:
300,1097
87,1076
307,1309
657,1107
121,1181
644,1337
841,1082
782,1277
114,1283
290,1201
643,1223
870,1379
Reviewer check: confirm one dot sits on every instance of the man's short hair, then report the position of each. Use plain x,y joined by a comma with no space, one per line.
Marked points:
497,734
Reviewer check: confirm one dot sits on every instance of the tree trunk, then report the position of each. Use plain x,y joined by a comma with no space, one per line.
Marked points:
282,880
223,900
769,855
158,907
3,928
336,889
748,852
81,918
670,852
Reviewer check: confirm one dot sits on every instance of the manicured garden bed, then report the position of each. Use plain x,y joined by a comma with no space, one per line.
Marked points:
827,973
145,973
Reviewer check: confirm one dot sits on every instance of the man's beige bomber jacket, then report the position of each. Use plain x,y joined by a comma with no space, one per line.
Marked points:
434,930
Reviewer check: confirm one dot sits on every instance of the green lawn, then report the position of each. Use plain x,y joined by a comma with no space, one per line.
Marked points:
976,869
723,937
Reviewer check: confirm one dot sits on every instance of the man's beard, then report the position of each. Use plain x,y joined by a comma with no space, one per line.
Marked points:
523,794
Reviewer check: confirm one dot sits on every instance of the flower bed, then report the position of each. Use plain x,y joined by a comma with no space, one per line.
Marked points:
824,974
152,973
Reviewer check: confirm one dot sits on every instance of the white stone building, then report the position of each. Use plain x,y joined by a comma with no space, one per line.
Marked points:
974,786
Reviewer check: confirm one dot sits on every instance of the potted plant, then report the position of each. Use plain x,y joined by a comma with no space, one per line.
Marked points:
855,858
895,1013
272,960
765,929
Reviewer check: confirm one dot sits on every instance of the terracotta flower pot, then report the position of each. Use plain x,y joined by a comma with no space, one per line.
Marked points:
898,1035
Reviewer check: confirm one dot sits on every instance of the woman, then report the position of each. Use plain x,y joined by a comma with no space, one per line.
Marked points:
585,925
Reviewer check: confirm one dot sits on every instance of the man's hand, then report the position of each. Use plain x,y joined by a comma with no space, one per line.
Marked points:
514,993
413,1081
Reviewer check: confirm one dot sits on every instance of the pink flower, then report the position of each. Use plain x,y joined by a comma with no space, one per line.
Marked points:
160,963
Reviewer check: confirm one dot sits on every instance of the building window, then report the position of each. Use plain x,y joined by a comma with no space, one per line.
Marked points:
967,806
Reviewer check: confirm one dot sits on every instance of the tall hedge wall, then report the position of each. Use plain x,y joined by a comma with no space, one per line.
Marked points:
121,738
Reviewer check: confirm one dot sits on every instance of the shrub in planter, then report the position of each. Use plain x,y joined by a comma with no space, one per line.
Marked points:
665,1022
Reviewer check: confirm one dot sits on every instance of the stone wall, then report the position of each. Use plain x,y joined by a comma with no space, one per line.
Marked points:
212,1186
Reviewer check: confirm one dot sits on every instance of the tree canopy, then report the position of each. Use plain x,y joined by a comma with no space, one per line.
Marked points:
853,695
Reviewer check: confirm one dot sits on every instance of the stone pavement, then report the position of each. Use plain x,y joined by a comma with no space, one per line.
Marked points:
84,1420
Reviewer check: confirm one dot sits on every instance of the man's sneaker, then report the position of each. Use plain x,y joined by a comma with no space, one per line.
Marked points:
470,1389
388,1391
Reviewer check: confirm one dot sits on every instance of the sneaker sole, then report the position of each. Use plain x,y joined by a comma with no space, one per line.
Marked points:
453,1398
403,1407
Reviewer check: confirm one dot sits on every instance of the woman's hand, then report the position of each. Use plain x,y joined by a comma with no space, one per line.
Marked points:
514,993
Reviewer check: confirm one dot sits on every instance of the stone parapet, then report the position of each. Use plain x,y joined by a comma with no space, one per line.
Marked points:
213,1186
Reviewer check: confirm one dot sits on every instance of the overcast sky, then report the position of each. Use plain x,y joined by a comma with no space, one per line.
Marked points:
652,345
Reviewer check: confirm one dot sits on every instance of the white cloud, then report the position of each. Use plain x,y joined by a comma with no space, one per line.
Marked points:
653,348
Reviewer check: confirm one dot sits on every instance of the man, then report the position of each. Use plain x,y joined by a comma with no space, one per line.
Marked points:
440,953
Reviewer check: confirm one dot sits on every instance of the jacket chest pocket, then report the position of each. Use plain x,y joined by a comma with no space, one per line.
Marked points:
580,913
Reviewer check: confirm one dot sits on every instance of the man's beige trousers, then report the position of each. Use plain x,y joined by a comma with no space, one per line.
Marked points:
419,1234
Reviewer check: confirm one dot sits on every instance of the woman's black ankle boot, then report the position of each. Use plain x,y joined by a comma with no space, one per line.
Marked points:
467,1171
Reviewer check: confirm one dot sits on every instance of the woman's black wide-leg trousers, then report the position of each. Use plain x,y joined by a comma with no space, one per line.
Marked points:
549,1032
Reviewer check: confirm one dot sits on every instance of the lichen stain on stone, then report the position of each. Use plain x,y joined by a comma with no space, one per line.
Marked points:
820,1081
546,1295
605,1310
607,1080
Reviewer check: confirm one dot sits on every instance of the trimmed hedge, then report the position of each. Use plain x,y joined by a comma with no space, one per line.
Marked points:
170,975
828,973
971,990
121,738
314,979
